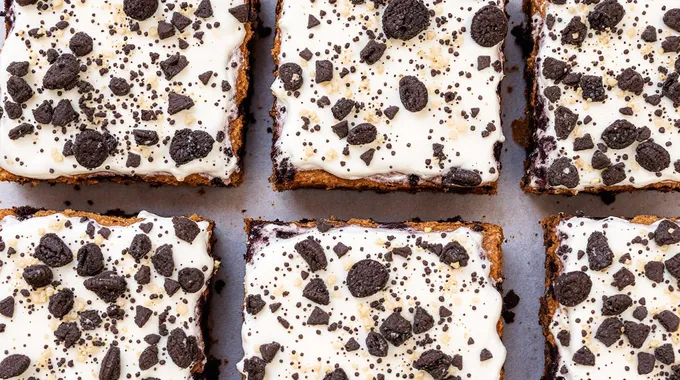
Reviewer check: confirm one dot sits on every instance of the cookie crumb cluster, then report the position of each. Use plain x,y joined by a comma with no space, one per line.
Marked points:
337,301
402,92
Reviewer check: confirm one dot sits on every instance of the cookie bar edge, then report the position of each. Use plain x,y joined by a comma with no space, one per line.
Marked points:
548,303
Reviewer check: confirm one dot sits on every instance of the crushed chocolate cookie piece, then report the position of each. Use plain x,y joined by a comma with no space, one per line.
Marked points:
489,26
188,145
563,173
269,351
291,75
204,9
405,19
81,44
376,344
38,276
140,9
575,32
600,255
572,288
413,93
241,12
366,278
20,131
434,362
14,365
53,251
107,285
90,260
191,279
606,15
372,52
182,349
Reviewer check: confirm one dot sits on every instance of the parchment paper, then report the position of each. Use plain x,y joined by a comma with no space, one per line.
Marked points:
516,212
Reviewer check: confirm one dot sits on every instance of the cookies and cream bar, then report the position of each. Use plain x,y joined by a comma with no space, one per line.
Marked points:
87,296
605,96
611,305
388,95
124,89
336,300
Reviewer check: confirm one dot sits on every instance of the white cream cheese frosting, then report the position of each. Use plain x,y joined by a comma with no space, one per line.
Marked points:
639,339
64,329
440,319
634,58
141,131
458,128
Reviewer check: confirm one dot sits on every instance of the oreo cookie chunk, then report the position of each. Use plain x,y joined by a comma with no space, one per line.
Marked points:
621,134
87,294
365,88
79,83
607,311
340,291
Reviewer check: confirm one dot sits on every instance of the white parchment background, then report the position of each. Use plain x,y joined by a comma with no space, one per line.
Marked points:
518,213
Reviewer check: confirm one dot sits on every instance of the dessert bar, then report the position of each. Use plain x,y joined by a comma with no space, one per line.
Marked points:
604,96
610,309
398,95
359,299
87,296
125,90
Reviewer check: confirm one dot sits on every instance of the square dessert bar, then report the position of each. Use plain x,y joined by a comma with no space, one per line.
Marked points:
125,90
611,302
362,300
605,96
87,296
388,95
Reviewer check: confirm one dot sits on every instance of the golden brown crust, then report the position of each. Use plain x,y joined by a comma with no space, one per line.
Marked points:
553,269
491,233
535,9
319,179
106,220
236,131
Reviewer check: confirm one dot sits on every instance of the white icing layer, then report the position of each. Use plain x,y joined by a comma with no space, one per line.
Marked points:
274,272
39,155
607,54
30,331
404,145
619,361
